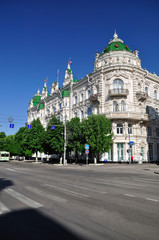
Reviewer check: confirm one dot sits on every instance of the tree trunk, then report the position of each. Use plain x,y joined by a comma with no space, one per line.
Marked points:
76,157
95,160
36,157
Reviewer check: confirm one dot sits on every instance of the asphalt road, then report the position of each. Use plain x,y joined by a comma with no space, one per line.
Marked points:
78,202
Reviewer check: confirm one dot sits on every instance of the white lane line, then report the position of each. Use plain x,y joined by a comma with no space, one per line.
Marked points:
46,195
129,195
3,208
119,182
151,199
10,169
67,191
91,190
22,169
146,181
29,202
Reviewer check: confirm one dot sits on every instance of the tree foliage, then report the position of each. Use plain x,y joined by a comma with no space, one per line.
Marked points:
54,138
34,139
75,141
97,133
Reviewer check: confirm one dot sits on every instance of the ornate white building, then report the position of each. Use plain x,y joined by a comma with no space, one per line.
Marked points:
119,88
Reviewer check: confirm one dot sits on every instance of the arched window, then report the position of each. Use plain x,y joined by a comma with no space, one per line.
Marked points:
75,114
81,99
76,99
146,90
89,93
54,109
115,106
122,106
118,84
155,94
82,114
89,111
147,109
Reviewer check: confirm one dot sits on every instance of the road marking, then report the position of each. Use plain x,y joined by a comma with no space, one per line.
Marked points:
29,202
92,190
151,199
44,194
119,182
22,168
129,195
3,208
10,169
146,180
67,191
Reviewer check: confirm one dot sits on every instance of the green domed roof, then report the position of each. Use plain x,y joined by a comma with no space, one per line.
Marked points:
116,45
65,93
36,98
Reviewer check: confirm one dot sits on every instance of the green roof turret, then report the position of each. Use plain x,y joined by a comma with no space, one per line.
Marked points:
65,93
116,44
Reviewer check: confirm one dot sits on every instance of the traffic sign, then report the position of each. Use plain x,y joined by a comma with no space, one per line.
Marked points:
29,126
87,151
86,146
52,127
12,125
131,143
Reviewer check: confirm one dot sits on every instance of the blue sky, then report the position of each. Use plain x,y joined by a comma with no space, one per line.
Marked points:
37,37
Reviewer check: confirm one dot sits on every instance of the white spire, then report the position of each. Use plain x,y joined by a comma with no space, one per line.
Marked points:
115,38
115,34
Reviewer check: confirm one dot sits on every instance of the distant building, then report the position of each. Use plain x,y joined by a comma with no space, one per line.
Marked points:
119,88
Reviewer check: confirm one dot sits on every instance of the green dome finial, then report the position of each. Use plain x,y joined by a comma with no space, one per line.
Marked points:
116,44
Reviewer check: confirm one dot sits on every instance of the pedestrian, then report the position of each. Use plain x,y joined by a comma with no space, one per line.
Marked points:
131,158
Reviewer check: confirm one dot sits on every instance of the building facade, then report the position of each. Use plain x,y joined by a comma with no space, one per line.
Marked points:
119,88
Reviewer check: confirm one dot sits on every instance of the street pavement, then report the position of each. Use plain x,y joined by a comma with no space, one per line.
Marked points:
111,201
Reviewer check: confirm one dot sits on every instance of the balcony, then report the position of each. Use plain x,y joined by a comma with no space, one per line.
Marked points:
141,96
128,115
94,97
119,92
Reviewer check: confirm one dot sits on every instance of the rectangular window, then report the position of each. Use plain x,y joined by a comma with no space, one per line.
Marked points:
142,153
149,131
129,128
119,128
119,151
150,151
157,151
157,132
110,153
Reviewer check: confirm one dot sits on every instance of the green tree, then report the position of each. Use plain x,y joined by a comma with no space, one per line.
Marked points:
2,141
97,133
75,140
12,146
34,139
21,139
54,138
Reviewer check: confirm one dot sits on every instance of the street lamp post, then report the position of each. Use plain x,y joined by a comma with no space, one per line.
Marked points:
64,156
129,146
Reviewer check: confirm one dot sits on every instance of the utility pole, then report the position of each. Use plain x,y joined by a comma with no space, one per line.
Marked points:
129,146
64,156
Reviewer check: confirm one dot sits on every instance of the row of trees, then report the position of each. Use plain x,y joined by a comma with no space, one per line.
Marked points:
95,131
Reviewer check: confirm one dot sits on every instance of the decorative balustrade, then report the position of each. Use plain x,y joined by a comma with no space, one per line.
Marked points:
118,92
142,95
